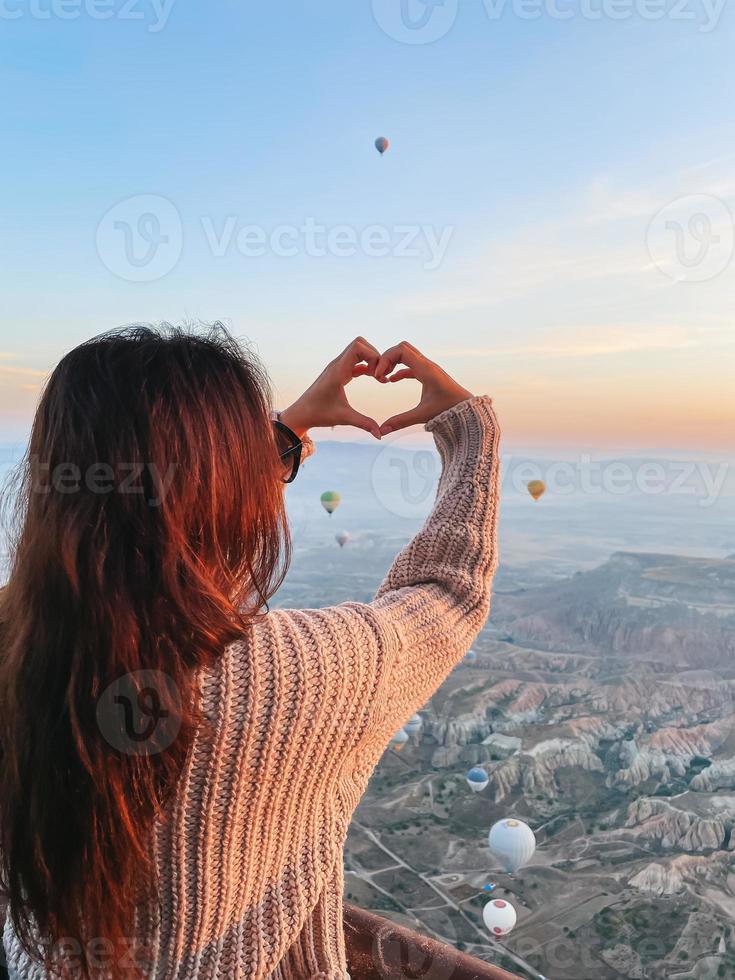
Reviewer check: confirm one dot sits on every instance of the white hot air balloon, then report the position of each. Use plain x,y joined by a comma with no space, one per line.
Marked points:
414,725
477,779
499,917
512,842
399,740
470,658
342,538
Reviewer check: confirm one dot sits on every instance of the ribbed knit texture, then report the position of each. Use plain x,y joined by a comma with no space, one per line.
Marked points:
296,718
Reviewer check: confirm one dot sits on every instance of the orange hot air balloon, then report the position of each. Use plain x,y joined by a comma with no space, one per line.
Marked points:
382,144
537,488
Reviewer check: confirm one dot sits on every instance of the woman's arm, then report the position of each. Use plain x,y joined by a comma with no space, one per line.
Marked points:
379,662
436,596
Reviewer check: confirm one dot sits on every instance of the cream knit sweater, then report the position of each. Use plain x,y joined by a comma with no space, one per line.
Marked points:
250,859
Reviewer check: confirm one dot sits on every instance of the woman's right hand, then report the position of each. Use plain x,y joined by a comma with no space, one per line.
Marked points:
438,391
325,402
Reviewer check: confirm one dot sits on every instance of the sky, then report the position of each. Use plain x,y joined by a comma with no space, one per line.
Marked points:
553,221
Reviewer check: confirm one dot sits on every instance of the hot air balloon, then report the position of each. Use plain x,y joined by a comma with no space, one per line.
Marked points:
382,144
470,658
537,488
512,842
330,501
399,740
499,916
490,887
413,725
342,538
477,779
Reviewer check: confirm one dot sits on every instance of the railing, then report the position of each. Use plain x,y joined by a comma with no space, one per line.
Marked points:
381,950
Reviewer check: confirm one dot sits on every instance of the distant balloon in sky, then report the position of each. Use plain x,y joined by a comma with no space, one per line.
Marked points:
382,144
330,501
399,740
499,917
512,842
537,488
477,779
413,725
342,538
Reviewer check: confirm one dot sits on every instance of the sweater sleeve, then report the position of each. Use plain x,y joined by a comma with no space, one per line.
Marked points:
436,596
367,667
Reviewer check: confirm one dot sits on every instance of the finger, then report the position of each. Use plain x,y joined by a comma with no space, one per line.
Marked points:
361,350
403,353
360,369
402,375
402,421
362,422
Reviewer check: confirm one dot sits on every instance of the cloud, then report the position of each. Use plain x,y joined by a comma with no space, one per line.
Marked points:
20,378
596,340
18,372
591,249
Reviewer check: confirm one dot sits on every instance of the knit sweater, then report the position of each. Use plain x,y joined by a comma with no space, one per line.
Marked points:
249,857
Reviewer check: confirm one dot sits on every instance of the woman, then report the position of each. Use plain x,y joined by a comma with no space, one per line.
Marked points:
178,766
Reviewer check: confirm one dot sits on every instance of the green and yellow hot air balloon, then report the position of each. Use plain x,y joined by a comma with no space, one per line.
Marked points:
330,501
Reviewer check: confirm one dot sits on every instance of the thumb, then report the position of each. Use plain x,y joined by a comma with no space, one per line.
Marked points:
413,417
362,422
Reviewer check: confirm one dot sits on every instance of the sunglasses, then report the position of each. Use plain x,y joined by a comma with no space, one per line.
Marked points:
291,455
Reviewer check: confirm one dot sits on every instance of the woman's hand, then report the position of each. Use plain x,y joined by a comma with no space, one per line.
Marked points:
325,402
438,391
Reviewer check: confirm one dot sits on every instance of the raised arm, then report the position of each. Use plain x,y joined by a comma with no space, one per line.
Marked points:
436,596
385,659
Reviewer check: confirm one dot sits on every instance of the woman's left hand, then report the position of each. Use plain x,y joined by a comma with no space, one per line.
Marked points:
325,402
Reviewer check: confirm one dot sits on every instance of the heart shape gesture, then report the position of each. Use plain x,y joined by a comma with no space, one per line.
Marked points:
325,403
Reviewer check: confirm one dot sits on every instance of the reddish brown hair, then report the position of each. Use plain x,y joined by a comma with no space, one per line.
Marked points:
151,530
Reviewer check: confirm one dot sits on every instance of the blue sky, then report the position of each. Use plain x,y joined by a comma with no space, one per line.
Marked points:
538,167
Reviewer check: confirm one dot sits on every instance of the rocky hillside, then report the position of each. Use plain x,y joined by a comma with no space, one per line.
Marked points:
603,709
681,610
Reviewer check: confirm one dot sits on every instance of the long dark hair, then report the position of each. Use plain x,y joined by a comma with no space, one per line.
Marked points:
150,532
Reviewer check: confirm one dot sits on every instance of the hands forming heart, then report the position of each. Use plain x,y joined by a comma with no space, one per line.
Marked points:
325,402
